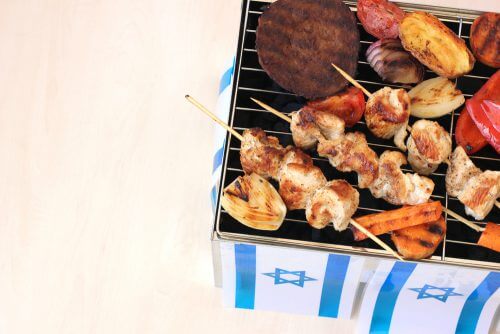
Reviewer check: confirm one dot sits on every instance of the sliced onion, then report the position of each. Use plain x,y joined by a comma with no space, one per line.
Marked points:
388,58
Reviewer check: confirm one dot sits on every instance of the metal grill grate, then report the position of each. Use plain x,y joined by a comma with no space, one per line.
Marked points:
459,246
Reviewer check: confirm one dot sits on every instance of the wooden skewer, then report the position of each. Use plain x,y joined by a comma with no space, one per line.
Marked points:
272,110
463,220
214,117
376,239
352,81
237,135
497,204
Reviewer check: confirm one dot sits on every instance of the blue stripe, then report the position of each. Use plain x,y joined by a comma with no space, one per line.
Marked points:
336,269
225,81
245,275
213,197
218,158
386,299
474,304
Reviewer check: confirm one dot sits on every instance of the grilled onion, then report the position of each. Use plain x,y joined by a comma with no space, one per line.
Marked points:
434,98
388,58
254,202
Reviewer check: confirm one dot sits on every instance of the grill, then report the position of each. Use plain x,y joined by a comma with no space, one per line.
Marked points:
459,246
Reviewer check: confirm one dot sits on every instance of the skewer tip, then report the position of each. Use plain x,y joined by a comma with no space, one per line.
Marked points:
187,96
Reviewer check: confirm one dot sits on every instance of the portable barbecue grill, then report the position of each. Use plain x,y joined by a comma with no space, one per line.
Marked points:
459,246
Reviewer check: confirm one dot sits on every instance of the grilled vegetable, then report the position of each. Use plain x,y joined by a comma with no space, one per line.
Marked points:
383,222
420,241
434,98
466,133
380,18
486,116
254,202
490,238
349,105
485,39
393,63
435,45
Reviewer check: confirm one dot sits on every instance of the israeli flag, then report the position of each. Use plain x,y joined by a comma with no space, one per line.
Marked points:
406,297
289,280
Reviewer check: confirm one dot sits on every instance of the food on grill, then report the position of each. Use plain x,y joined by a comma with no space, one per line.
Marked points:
298,179
399,188
387,114
393,63
486,116
428,146
434,98
477,190
485,39
260,153
349,105
380,18
351,153
435,45
254,202
490,238
420,241
333,203
387,221
460,170
298,40
467,134
308,125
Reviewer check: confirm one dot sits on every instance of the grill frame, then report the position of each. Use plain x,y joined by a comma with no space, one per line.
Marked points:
450,15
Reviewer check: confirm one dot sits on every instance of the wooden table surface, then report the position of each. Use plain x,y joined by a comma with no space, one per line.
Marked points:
105,175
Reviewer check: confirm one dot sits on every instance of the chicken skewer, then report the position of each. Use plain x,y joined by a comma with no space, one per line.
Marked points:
331,184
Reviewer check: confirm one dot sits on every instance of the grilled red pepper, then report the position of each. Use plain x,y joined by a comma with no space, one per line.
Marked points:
486,116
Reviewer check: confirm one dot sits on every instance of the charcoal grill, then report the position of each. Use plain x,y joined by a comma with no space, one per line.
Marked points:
459,246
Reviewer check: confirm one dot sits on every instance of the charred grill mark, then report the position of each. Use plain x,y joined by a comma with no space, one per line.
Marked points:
435,229
426,243
240,193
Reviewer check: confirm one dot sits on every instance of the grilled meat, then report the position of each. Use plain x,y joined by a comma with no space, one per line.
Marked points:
387,114
396,187
428,146
351,153
335,202
460,170
261,154
480,193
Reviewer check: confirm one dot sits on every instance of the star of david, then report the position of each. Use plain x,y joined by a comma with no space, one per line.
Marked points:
297,277
423,292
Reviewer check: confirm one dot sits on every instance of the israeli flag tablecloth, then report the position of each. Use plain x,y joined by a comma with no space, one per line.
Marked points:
406,297
289,280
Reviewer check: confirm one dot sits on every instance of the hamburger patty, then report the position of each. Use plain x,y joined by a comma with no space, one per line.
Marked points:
297,40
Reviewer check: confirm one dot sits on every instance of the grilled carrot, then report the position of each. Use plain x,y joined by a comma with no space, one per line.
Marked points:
490,238
420,241
383,222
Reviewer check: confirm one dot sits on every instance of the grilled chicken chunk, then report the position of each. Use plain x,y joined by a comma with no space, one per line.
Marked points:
335,202
460,170
351,153
309,125
480,193
396,187
428,146
420,241
261,154
387,114
298,179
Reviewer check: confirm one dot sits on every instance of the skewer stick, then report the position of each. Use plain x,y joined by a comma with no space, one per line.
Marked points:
376,239
272,110
351,80
497,204
212,116
463,220
237,135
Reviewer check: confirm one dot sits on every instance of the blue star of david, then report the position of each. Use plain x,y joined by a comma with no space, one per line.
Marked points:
423,293
300,275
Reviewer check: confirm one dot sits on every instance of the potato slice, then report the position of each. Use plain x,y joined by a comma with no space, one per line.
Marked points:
253,201
435,45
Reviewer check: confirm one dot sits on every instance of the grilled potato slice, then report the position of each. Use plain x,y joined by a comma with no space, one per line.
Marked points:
485,39
435,45
253,201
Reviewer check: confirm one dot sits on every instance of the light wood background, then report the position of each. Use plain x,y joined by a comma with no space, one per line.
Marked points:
105,170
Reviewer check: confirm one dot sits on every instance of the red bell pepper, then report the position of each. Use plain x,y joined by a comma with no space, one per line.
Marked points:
486,115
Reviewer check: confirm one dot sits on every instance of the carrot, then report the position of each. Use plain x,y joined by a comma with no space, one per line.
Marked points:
383,222
490,238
